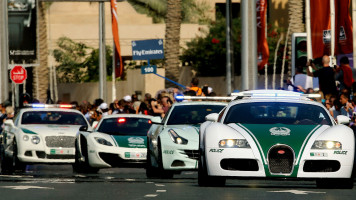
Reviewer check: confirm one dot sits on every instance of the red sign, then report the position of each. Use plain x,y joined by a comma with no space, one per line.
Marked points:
18,74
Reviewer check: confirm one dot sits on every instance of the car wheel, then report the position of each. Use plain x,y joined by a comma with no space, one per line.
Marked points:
335,183
204,179
80,166
16,163
6,162
151,172
163,173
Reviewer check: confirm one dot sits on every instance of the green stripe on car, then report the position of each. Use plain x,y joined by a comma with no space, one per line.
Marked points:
131,141
25,130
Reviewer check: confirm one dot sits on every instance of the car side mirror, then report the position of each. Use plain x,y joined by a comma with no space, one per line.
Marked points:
156,120
342,119
212,117
9,122
83,128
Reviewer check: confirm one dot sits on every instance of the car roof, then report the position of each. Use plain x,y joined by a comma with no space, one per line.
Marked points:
200,103
127,116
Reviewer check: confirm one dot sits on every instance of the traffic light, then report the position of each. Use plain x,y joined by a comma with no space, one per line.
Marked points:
299,51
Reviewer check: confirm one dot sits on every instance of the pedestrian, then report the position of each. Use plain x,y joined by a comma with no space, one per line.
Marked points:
194,86
300,81
344,74
346,105
326,76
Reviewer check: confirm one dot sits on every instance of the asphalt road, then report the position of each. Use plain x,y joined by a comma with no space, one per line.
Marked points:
57,182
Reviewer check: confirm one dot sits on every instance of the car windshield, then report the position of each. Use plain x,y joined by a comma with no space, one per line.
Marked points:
277,112
53,117
192,114
125,126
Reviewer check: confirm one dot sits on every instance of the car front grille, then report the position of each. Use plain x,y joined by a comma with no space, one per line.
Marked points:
60,141
192,154
280,159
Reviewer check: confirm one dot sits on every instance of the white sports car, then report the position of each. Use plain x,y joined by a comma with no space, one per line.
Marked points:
118,140
173,142
42,134
276,134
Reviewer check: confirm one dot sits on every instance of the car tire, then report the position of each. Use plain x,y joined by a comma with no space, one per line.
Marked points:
151,172
16,163
204,179
80,166
335,183
165,174
6,162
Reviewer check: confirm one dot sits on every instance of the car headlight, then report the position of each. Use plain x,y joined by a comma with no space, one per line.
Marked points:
234,143
176,138
35,139
103,141
326,144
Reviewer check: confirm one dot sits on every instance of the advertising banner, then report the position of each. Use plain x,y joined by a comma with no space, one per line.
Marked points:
22,19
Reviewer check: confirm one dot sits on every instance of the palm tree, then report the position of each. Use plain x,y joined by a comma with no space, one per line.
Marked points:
295,23
41,77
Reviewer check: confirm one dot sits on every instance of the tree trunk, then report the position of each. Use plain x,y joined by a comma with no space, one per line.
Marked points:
172,37
40,83
296,24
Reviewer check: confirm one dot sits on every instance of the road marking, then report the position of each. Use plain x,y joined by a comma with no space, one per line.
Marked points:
80,176
160,185
129,179
161,190
299,192
149,182
109,177
151,195
16,176
25,187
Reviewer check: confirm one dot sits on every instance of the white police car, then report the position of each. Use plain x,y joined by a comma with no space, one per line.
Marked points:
117,141
276,134
40,134
173,142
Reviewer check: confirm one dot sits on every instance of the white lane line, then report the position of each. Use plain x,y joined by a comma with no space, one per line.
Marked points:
129,179
150,182
16,176
299,192
151,195
160,185
109,177
161,190
25,187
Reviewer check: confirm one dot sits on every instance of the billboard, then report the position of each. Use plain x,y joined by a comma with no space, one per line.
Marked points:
22,19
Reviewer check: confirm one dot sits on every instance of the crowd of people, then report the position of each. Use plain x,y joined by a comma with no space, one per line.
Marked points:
335,84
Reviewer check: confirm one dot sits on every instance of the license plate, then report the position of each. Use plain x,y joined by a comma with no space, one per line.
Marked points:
135,155
61,152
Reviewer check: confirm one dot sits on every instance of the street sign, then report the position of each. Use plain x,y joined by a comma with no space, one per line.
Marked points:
152,69
147,49
18,74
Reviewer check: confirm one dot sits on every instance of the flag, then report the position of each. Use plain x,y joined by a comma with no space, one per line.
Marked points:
343,28
119,67
262,45
320,27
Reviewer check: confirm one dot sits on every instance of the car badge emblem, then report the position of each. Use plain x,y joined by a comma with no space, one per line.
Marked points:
136,140
280,131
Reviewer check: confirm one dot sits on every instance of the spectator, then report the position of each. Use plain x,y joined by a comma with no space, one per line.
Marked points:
346,105
155,108
166,103
135,102
336,109
194,87
300,81
325,75
344,74
143,109
2,115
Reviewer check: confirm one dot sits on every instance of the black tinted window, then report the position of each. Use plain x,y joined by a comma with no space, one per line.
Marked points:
277,112
192,114
125,126
53,117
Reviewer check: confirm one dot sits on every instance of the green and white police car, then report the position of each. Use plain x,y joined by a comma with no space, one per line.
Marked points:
172,144
40,134
118,140
276,134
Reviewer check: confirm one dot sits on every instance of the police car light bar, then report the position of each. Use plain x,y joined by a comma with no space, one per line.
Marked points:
36,105
215,98
273,93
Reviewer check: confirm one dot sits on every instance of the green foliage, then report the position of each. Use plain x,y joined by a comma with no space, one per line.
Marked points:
78,62
192,11
207,54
